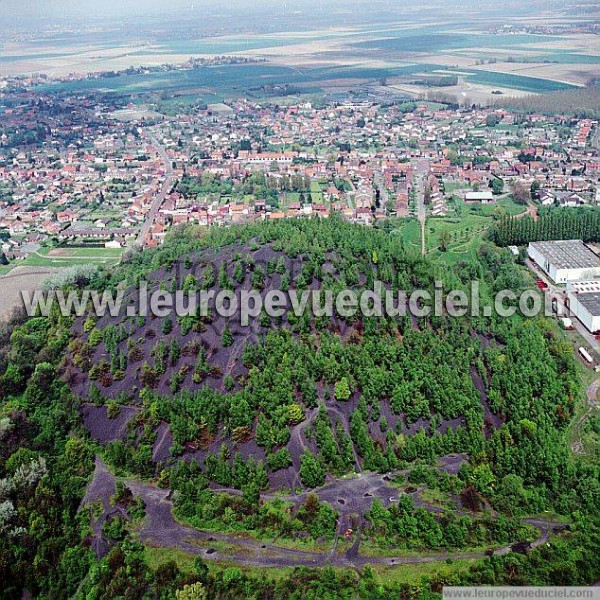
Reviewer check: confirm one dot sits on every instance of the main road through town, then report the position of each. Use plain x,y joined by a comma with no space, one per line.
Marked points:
163,191
422,171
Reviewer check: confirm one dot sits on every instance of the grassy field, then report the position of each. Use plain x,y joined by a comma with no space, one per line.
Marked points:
410,574
231,80
413,574
68,257
428,40
517,82
316,192
466,234
466,231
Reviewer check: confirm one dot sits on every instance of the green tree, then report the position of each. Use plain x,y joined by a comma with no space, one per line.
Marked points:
311,472
444,240
342,389
227,336
192,591
497,185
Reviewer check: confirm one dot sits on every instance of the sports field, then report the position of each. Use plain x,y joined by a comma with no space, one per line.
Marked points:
69,257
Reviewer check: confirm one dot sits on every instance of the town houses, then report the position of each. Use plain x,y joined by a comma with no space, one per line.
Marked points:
89,176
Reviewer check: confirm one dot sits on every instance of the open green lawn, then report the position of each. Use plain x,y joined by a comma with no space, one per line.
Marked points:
508,205
316,192
466,234
466,231
4,269
84,252
450,186
68,257
413,574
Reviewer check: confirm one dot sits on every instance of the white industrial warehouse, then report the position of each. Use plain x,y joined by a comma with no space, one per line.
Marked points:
584,302
565,260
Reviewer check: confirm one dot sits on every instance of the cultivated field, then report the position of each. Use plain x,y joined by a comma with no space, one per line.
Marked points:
333,58
19,279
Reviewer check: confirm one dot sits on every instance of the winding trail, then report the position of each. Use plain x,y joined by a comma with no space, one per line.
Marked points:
298,430
160,528
592,400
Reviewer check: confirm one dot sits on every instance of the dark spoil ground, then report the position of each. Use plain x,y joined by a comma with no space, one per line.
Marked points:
159,528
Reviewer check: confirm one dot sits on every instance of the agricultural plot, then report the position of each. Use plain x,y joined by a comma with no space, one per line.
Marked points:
433,40
19,279
517,82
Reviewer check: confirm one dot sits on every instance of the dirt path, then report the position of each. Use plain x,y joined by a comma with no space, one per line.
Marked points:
298,430
21,272
161,529
20,279
66,258
592,399
235,354
421,172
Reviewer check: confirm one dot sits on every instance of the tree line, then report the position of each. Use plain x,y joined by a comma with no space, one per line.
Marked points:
553,224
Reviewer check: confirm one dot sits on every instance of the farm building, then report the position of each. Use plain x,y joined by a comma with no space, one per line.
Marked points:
565,260
584,302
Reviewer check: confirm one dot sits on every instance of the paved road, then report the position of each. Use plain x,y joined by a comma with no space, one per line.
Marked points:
164,190
380,185
422,171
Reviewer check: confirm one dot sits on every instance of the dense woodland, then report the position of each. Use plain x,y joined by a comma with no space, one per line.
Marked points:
259,185
501,391
553,224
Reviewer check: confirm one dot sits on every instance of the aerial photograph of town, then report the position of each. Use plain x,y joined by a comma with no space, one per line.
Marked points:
299,299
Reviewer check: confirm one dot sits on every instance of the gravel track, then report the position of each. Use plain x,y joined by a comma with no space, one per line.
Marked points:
160,528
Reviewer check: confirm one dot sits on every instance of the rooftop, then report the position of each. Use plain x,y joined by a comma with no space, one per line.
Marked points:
591,302
479,196
580,287
567,254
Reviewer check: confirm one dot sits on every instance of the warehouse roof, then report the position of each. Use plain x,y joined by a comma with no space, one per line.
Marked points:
592,285
567,254
591,302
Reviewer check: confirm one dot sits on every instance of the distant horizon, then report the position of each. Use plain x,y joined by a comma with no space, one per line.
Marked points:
18,13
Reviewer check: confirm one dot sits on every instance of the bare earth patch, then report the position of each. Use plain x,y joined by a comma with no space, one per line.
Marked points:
20,279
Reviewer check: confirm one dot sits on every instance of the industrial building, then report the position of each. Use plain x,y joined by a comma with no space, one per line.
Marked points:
565,260
583,299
